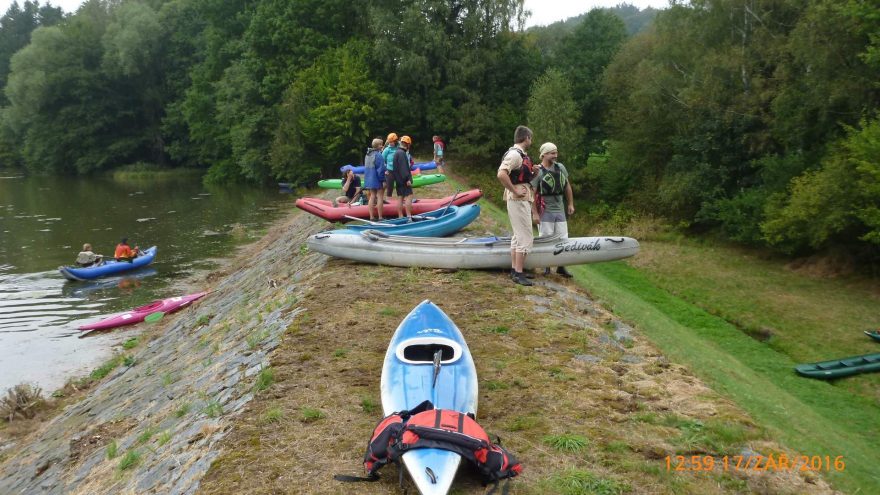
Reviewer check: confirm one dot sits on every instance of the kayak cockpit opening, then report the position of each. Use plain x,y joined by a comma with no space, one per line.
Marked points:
426,353
148,307
422,350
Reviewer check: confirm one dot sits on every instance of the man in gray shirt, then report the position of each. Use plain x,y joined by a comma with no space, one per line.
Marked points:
550,184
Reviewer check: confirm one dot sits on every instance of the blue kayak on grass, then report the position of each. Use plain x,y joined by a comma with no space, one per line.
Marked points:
428,359
360,169
109,267
437,223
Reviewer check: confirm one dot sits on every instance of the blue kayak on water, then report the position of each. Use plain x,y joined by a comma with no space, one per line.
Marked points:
428,359
437,223
109,267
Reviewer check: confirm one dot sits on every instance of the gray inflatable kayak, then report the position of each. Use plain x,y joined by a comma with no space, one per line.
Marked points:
468,252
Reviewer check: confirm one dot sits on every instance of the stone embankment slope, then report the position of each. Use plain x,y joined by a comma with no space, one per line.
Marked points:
166,411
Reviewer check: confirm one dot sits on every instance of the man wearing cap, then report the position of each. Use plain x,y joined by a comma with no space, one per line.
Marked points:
402,176
550,183
516,173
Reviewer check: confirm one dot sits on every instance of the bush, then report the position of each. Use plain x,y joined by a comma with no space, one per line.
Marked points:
22,400
738,217
839,204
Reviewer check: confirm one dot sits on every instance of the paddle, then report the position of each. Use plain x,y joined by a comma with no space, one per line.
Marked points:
154,317
437,357
369,221
450,202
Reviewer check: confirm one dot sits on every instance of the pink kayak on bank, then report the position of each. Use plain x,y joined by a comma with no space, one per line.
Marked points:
138,315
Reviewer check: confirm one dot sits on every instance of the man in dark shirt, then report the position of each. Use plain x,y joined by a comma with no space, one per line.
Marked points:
403,178
351,187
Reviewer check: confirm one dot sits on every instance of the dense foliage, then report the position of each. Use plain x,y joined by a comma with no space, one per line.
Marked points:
756,119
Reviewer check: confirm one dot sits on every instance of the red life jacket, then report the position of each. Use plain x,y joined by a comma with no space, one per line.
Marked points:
524,174
424,427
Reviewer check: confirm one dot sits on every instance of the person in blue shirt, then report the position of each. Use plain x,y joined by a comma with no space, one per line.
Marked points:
439,152
374,178
391,145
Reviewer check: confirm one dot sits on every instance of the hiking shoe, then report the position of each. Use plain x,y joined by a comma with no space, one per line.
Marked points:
519,278
562,272
528,274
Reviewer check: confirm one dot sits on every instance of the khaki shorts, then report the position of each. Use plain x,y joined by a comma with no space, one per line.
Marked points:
520,214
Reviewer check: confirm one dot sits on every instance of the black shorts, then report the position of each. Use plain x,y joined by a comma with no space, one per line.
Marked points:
403,190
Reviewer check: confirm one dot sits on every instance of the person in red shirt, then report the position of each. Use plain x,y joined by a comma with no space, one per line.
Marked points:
124,252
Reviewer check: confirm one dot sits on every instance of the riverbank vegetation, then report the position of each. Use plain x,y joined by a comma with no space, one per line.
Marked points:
149,171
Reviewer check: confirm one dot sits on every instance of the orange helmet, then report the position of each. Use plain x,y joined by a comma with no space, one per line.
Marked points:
406,139
391,138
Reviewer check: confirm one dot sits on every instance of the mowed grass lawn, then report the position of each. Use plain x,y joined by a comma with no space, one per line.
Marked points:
741,321
806,317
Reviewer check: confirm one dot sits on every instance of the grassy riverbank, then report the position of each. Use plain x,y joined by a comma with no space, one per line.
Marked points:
741,321
150,171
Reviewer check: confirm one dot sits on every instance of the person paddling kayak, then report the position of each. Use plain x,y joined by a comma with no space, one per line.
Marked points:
87,257
124,252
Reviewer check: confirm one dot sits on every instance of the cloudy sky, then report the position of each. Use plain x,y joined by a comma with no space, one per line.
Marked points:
543,11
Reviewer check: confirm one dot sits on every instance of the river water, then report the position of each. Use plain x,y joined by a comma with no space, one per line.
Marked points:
44,222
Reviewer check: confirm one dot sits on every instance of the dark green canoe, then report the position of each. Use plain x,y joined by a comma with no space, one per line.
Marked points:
839,368
874,334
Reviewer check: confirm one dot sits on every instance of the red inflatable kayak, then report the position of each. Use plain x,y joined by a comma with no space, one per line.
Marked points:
137,315
325,209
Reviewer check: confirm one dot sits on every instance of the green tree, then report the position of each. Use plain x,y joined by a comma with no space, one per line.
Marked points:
456,68
329,115
133,56
838,204
232,106
583,57
61,108
16,27
553,116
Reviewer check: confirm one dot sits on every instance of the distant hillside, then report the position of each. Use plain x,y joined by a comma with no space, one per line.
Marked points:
547,37
634,19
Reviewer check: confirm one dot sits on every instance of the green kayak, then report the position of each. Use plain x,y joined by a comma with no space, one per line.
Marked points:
839,368
418,181
874,334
